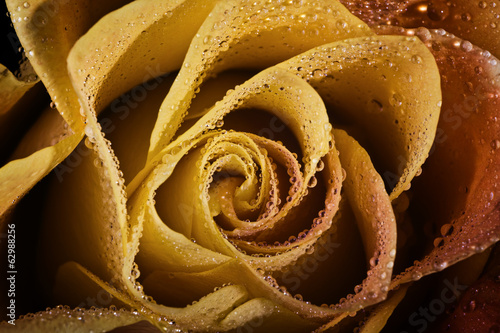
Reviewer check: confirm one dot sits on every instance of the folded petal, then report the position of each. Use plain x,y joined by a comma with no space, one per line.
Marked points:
463,167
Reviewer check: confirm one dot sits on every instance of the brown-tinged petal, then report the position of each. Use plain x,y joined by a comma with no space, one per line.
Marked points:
378,315
463,168
372,208
476,21
478,308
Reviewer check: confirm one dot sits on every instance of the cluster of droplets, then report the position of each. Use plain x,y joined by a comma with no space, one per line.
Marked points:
63,318
114,207
373,12
24,72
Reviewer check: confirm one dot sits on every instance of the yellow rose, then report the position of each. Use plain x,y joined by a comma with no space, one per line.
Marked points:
249,165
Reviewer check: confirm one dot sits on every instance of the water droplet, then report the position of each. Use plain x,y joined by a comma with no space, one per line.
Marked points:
466,17
466,46
88,143
375,106
320,166
26,5
396,100
469,307
89,131
318,73
495,144
446,230
416,276
341,24
482,4
439,241
440,265
416,59
312,182
437,10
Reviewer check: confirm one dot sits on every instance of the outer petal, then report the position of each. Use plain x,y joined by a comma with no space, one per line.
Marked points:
475,21
48,30
463,167
63,319
11,90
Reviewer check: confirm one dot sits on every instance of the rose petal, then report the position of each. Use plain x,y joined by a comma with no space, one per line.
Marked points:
239,34
475,21
11,89
89,195
19,176
374,83
113,57
39,24
370,203
463,167
78,320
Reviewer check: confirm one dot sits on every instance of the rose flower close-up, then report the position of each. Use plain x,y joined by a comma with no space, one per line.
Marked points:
250,166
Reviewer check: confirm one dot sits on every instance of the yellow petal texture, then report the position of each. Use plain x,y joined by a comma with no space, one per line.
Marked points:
11,90
47,31
371,205
249,34
380,82
379,316
39,24
88,196
19,176
64,319
200,221
14,109
111,58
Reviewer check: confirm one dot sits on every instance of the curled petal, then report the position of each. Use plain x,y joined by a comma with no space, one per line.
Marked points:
239,34
464,165
379,82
